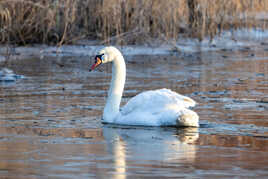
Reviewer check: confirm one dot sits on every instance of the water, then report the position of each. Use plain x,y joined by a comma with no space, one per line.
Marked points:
50,120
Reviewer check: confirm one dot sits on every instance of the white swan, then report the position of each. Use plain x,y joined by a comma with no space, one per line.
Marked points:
161,107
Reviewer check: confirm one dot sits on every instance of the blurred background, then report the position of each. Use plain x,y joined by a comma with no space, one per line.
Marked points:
124,21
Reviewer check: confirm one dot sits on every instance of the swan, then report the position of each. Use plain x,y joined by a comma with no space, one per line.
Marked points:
161,107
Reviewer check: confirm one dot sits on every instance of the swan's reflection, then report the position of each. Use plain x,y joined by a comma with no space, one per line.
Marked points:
107,152
134,147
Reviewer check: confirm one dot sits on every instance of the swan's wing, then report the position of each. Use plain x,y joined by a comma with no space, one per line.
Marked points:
180,99
156,100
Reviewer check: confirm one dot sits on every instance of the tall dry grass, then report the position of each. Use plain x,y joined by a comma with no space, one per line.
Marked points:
123,21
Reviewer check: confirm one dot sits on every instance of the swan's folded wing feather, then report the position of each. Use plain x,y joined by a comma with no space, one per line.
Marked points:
156,100
184,101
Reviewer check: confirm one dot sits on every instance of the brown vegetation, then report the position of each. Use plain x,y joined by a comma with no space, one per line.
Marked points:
122,21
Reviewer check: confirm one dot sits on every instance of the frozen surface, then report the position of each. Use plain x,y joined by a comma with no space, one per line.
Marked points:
7,75
50,123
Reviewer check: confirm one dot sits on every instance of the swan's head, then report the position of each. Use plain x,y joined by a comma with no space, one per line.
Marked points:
105,55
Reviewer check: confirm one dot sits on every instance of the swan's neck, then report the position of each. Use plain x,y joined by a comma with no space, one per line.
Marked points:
111,108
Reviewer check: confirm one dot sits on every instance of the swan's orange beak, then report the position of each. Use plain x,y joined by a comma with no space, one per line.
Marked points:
97,63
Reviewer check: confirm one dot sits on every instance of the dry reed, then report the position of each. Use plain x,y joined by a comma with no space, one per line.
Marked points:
123,21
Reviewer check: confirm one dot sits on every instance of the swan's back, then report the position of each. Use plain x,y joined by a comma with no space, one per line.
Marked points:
155,100
161,107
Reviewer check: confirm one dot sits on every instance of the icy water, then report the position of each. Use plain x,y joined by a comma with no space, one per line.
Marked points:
50,121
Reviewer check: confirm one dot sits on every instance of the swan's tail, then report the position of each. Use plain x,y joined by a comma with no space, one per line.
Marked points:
188,118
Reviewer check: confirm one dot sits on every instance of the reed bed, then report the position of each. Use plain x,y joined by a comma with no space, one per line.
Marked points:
59,22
